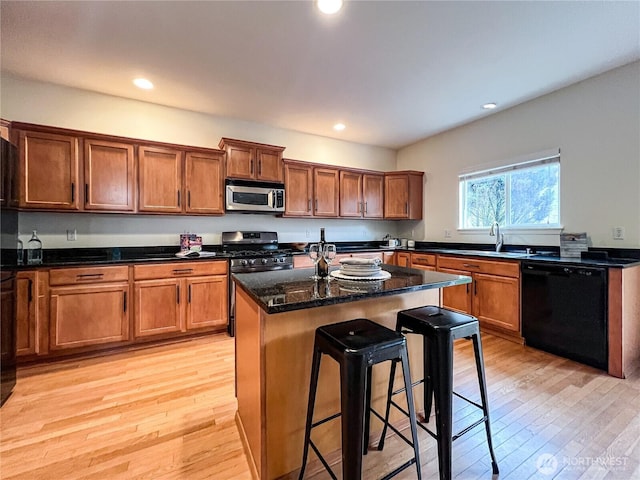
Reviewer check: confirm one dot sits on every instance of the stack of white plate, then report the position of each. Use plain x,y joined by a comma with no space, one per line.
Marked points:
356,268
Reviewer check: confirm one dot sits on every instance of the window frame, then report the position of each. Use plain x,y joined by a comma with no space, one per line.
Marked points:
522,163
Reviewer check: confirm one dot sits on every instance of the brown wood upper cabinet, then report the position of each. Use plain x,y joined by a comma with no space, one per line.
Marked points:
160,180
48,170
253,161
403,195
311,190
361,194
173,181
109,175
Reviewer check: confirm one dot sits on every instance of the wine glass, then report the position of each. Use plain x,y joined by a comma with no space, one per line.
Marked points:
314,255
329,253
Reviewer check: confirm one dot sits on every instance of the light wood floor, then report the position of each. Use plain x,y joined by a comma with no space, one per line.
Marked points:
168,413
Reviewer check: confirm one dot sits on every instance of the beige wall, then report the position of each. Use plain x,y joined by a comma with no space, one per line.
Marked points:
595,123
48,104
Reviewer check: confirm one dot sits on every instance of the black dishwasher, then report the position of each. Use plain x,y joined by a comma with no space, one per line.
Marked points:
564,311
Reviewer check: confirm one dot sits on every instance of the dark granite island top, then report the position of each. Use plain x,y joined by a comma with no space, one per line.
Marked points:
276,316
288,290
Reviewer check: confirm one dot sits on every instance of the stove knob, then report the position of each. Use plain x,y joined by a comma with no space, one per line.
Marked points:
243,262
252,261
264,261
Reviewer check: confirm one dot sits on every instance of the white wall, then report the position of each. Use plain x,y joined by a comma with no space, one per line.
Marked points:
595,123
48,104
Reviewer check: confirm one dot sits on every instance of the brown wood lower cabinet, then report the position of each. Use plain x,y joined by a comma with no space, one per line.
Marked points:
27,327
172,298
88,315
88,306
62,311
493,297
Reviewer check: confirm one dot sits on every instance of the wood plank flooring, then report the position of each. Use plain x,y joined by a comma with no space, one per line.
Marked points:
167,412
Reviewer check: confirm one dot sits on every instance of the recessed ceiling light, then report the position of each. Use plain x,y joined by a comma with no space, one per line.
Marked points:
329,6
339,127
489,106
143,83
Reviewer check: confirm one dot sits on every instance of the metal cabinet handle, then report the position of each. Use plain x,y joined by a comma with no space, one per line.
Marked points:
178,197
259,167
83,276
189,198
365,207
309,205
178,294
30,292
406,207
124,302
189,295
251,167
73,192
182,270
86,193
470,265
475,288
316,204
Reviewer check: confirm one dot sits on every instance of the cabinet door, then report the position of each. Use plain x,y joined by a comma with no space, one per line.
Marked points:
26,308
207,299
160,180
88,315
496,301
157,307
109,174
351,204
404,259
298,180
48,171
326,184
458,297
240,162
269,166
204,183
373,195
396,196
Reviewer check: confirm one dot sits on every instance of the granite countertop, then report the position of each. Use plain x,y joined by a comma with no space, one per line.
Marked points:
288,290
617,258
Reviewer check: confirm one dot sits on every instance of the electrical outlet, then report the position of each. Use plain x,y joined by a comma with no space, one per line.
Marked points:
618,233
447,234
71,235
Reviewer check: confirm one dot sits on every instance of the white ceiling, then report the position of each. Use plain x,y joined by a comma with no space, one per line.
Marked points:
393,71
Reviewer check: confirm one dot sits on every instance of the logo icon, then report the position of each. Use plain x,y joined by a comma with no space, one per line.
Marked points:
546,464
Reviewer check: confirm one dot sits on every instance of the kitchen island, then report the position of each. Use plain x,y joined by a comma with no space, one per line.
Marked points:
276,317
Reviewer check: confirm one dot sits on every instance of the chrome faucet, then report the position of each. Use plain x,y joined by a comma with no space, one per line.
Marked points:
495,232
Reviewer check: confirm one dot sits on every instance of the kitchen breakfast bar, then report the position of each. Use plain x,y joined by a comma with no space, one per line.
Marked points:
277,314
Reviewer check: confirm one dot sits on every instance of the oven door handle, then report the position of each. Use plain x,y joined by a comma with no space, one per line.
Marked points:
271,199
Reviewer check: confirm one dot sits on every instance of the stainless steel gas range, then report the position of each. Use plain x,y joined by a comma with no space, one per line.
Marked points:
252,252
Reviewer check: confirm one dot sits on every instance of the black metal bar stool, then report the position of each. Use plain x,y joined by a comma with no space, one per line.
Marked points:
357,345
439,327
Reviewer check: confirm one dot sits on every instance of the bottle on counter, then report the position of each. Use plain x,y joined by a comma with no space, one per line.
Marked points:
34,250
323,267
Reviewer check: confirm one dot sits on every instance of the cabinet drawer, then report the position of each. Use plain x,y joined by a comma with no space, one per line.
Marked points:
183,269
470,264
423,259
84,275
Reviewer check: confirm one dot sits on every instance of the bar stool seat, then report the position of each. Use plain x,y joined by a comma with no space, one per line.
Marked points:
357,345
439,327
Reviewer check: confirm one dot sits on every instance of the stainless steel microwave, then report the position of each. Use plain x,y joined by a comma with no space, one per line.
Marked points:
246,196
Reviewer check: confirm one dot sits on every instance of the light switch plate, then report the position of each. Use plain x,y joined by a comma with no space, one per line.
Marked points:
71,235
618,233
